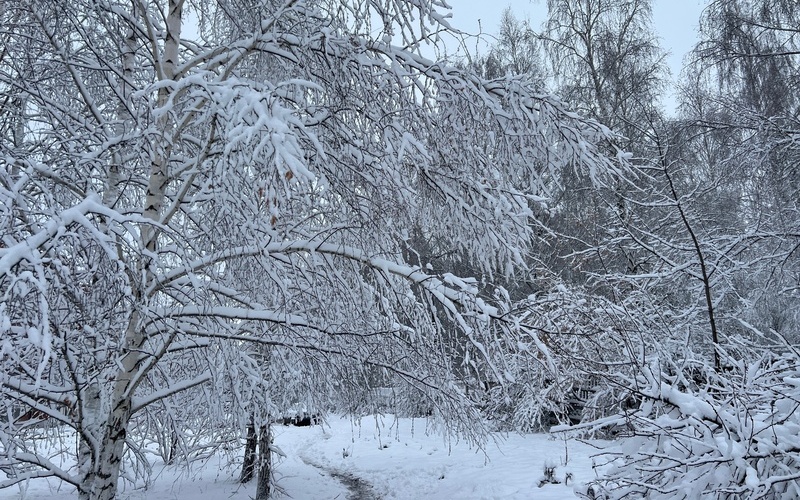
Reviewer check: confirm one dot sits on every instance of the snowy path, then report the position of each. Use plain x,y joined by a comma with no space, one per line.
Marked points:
406,460
359,488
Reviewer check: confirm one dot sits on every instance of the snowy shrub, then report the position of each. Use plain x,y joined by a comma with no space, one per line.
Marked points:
548,474
734,434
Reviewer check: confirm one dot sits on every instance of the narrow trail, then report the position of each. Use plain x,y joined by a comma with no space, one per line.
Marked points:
359,488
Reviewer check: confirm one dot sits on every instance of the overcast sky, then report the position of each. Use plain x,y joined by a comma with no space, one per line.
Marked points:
675,21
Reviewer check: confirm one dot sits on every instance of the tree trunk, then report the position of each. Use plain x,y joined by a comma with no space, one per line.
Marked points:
108,425
173,447
249,464
89,408
100,481
264,463
111,455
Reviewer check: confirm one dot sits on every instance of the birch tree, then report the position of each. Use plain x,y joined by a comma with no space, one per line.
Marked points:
181,179
606,59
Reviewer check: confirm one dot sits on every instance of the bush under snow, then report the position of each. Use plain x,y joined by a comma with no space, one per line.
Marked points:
734,434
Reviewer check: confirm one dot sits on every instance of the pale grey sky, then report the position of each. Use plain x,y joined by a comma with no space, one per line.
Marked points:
674,20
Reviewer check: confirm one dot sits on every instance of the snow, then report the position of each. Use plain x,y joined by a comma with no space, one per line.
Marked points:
402,459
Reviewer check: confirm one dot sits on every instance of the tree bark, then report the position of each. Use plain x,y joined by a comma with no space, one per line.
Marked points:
173,447
249,464
264,463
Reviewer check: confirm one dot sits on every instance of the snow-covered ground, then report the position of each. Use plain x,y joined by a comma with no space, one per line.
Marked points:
398,458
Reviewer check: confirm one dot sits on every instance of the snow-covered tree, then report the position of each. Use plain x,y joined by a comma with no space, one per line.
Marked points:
190,189
715,398
747,119
602,56
514,50
605,58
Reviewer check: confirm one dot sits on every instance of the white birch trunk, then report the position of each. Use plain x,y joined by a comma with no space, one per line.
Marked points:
100,480
103,458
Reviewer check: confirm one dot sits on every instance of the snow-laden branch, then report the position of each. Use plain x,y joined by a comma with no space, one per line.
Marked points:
139,402
273,190
735,433
415,274
26,250
46,468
